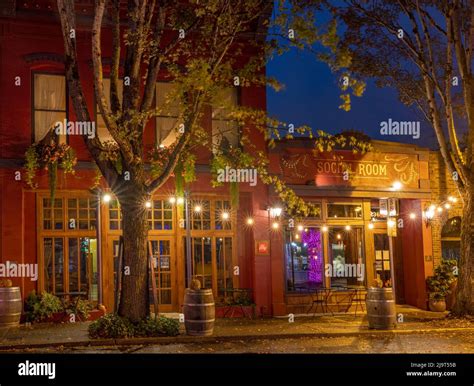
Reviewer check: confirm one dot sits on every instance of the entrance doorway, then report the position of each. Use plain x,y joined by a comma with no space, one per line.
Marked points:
164,260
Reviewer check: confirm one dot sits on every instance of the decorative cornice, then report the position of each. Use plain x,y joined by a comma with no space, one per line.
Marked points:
43,57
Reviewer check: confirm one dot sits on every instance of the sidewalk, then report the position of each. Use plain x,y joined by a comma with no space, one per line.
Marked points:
70,335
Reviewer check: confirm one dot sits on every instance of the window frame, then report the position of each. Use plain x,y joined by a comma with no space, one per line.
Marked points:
32,100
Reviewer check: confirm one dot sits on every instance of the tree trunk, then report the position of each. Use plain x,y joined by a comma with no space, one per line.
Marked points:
134,299
464,296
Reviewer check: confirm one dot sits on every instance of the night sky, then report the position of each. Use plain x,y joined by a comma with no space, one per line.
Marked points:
311,96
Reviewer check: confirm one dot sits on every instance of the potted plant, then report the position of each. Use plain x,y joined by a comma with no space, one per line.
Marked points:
10,304
440,284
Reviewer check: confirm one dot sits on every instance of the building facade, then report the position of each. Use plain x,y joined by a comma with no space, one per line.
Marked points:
371,206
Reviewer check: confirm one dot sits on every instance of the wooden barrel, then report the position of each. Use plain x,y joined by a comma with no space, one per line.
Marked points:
10,307
381,308
199,312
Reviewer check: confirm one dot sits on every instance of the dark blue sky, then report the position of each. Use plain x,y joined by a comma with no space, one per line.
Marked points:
311,96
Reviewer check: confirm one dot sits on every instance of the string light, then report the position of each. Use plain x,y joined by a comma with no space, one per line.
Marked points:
390,223
300,228
324,228
106,197
197,208
371,226
172,200
225,215
275,225
447,205
297,236
250,221
348,227
338,236
148,204
412,216
439,209
180,200
397,185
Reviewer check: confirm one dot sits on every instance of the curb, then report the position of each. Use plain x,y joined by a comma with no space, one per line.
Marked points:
224,338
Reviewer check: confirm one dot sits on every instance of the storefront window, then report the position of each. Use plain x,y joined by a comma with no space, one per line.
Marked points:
346,265
160,216
115,215
53,216
344,211
304,260
451,239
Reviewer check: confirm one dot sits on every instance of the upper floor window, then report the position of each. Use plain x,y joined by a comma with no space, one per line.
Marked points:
225,131
167,120
344,210
49,105
102,131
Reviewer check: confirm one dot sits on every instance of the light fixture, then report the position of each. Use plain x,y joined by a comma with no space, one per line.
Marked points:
397,185
297,236
197,208
432,208
162,146
148,204
275,212
250,221
371,226
106,197
428,215
324,228
300,228
172,200
338,236
306,229
225,215
447,205
452,199
412,216
439,209
275,225
348,227
180,200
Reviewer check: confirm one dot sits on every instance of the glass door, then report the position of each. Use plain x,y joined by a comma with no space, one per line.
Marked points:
382,259
164,267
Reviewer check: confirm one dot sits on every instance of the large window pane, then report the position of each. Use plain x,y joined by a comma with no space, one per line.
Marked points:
344,210
59,265
304,260
346,259
49,103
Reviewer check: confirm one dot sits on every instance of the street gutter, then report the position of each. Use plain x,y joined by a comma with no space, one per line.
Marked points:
225,338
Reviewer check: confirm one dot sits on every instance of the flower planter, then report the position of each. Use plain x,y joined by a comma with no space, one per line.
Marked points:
437,305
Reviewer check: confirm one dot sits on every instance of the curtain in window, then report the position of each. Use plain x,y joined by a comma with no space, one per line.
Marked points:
49,102
224,131
167,121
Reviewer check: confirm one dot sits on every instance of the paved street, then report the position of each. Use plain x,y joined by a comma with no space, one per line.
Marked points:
458,342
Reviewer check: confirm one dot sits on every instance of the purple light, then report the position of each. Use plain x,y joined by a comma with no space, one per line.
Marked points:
313,240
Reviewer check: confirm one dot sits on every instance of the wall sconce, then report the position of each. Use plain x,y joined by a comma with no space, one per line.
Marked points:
428,215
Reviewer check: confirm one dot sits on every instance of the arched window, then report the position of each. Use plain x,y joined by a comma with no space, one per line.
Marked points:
451,238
